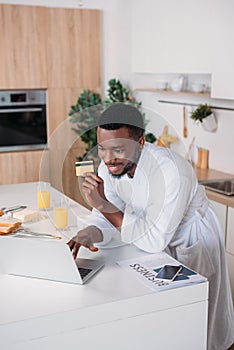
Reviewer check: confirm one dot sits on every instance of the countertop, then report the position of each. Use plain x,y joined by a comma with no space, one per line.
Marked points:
212,174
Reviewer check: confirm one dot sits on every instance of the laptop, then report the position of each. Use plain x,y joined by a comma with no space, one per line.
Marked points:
44,258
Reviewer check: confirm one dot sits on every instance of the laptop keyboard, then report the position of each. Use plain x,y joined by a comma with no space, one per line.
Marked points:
83,271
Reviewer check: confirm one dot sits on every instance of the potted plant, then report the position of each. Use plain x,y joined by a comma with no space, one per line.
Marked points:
89,105
82,115
203,114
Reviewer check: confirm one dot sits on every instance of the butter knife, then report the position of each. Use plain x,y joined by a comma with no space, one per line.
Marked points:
12,209
32,234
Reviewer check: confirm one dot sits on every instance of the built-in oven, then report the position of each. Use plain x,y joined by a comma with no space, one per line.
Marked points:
23,123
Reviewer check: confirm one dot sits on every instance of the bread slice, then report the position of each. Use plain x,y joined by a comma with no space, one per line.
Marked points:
8,227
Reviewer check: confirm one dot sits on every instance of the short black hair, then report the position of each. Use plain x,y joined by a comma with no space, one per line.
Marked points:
120,115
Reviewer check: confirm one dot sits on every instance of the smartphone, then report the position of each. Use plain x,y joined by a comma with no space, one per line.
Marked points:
169,272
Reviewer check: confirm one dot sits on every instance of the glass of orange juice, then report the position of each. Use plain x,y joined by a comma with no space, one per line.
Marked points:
43,195
61,214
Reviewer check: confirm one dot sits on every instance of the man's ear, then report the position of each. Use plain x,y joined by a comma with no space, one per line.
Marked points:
142,141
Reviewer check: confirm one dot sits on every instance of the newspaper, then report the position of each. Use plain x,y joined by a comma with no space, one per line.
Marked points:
146,269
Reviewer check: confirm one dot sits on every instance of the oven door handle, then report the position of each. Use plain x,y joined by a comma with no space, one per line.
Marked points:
20,110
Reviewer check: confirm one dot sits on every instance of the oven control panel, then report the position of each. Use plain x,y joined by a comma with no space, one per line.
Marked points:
22,98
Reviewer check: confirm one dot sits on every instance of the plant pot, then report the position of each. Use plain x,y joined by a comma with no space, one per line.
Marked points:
209,123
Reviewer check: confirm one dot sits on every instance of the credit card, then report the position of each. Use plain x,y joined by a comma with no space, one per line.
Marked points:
86,166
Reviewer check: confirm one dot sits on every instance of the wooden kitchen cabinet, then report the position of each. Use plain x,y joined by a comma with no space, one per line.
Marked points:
23,59
49,47
64,144
59,50
58,105
73,65
16,167
74,48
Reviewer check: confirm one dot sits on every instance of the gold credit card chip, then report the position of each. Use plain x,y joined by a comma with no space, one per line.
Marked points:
86,166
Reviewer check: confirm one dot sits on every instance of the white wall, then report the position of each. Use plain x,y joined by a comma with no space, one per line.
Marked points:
116,60
219,143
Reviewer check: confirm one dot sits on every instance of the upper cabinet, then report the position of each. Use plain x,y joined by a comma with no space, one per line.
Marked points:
49,47
188,37
171,36
23,47
223,50
73,48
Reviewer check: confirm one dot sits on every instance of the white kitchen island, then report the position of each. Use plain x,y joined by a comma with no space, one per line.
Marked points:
113,310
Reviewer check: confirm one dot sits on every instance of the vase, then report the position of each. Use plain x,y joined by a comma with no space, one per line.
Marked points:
209,123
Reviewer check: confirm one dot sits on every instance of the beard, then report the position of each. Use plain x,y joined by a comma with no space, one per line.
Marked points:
126,169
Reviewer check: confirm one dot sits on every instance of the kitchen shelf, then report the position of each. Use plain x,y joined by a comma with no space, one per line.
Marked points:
177,93
189,98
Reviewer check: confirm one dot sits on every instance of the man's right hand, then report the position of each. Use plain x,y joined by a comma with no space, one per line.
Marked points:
93,190
86,237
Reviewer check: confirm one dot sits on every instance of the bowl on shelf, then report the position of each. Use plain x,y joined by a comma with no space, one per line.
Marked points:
198,87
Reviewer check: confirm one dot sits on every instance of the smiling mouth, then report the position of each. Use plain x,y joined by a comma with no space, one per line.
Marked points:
114,166
119,169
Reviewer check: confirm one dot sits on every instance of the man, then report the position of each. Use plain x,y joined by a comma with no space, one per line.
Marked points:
151,196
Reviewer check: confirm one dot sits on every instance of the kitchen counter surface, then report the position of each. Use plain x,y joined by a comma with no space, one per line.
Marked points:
212,174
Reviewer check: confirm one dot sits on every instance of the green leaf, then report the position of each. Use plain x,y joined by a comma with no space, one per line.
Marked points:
201,112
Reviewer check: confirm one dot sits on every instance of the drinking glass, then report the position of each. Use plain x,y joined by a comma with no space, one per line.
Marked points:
43,195
61,214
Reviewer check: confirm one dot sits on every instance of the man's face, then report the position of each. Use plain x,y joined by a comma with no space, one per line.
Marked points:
118,150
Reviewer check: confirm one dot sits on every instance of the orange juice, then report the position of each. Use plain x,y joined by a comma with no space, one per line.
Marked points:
43,198
60,217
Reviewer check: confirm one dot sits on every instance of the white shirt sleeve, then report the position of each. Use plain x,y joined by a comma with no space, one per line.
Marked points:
98,219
